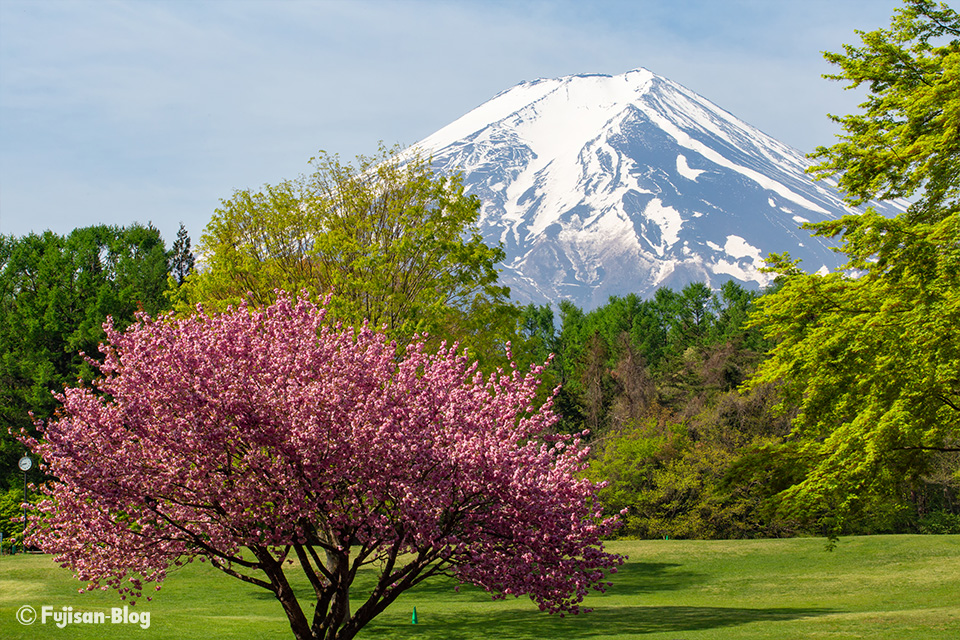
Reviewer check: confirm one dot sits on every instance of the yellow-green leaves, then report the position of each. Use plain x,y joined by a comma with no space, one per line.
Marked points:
872,357
394,243
906,138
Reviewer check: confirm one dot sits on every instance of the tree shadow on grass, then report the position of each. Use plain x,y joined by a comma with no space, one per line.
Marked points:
652,577
604,621
440,622
631,579
444,613
635,578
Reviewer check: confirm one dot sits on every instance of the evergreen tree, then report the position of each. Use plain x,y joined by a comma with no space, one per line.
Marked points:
182,261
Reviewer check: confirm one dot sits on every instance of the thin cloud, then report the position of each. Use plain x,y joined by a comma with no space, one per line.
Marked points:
154,110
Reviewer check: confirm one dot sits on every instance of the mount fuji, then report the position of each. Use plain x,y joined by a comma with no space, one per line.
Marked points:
603,185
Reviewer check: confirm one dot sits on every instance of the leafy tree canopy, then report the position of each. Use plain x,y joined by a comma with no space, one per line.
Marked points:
873,359
906,139
394,242
55,293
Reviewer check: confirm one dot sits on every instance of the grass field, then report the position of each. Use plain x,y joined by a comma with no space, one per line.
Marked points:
889,587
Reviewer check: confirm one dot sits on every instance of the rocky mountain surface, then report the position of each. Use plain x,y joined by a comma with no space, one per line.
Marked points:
604,185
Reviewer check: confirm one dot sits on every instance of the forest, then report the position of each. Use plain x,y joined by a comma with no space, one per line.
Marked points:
689,441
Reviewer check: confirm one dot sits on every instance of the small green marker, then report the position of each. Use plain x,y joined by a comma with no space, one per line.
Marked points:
413,620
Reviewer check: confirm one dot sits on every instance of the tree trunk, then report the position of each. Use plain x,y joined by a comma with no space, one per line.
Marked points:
335,624
339,565
284,592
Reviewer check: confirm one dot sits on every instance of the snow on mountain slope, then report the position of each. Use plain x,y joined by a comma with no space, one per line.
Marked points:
606,185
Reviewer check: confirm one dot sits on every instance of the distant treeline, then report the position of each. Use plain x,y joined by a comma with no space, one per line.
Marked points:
55,293
685,446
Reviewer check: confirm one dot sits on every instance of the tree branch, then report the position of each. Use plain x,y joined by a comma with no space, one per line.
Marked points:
947,402
312,576
196,539
236,574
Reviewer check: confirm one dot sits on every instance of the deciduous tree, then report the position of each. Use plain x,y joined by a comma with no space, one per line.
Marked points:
55,293
873,359
395,242
266,441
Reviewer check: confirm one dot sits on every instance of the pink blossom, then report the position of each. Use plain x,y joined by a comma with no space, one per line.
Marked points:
259,436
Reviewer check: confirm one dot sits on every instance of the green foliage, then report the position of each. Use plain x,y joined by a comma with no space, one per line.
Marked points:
940,523
656,381
684,449
55,293
873,365
873,361
711,476
629,461
690,341
906,139
395,243
11,514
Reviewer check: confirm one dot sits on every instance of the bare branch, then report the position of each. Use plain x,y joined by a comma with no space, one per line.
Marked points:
315,581
236,574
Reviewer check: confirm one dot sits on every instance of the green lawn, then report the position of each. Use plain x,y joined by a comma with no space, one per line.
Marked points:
892,587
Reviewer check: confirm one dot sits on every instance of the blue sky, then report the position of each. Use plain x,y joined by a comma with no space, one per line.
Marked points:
152,111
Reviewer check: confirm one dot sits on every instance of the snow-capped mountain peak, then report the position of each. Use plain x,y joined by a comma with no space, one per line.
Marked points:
603,185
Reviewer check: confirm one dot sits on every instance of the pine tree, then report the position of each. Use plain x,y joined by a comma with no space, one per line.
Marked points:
182,262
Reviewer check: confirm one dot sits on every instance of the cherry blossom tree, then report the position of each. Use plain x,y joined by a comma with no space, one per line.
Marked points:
266,441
